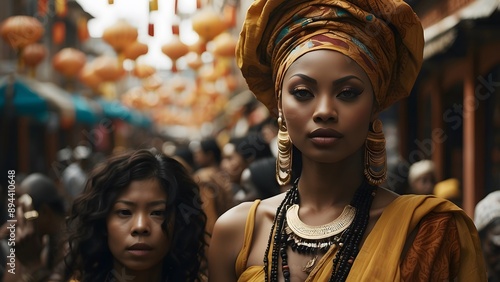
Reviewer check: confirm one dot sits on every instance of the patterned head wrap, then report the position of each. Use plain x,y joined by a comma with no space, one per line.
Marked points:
384,37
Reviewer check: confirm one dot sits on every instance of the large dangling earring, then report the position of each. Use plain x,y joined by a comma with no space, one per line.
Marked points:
284,159
375,155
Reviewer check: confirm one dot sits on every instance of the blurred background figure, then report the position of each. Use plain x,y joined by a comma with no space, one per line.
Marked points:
215,189
449,189
258,181
39,248
63,157
487,220
422,178
239,153
75,175
183,155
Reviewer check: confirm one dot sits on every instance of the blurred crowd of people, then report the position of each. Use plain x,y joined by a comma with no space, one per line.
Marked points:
225,174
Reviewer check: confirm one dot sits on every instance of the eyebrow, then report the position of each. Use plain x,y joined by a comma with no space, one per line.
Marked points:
150,204
338,81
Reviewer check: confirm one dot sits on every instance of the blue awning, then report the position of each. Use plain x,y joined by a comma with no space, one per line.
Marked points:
116,110
84,112
26,101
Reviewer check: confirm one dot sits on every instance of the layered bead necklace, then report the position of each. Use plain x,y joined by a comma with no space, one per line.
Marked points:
344,233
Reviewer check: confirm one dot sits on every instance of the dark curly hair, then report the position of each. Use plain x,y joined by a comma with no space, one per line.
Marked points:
89,257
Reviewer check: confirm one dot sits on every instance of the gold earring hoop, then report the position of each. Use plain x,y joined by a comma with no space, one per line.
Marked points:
284,159
375,154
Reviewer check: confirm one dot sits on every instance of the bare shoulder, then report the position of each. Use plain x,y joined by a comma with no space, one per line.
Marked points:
232,222
226,243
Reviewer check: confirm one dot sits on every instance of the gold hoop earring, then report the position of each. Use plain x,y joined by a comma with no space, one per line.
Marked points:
375,155
284,159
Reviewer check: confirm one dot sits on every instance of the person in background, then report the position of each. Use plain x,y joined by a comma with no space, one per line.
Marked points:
40,221
422,178
239,153
258,181
215,188
75,175
487,220
138,219
326,69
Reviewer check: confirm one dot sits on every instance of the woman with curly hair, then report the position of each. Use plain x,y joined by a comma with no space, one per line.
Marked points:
138,219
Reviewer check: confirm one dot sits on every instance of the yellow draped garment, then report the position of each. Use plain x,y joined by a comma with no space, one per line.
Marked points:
446,246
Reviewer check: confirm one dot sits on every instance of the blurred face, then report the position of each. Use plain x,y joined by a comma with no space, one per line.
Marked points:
201,158
327,103
232,163
424,184
135,235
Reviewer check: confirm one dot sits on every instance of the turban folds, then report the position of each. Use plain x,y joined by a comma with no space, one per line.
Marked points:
384,37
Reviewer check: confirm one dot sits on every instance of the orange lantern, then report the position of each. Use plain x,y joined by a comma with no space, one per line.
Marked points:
33,54
198,47
152,82
134,50
194,61
107,68
21,31
58,32
120,35
224,45
69,61
207,23
88,77
174,50
143,70
229,13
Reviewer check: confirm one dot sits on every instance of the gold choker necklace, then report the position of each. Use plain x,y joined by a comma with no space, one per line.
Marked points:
320,232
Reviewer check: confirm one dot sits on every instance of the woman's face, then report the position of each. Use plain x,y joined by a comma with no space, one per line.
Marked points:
135,236
232,163
327,103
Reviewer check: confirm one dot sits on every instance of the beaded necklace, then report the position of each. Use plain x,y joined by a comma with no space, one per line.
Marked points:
347,241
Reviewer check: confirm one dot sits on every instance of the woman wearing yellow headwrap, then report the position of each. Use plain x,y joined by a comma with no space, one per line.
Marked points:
326,69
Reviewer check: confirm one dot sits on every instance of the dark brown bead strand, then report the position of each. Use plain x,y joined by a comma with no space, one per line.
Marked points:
344,259
348,243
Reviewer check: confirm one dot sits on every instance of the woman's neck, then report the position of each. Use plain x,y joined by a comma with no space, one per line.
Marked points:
327,184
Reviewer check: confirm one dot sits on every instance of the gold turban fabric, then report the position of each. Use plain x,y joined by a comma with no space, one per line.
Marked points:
384,37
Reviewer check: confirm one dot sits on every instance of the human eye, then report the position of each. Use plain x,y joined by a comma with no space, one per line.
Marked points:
301,93
349,94
123,212
158,213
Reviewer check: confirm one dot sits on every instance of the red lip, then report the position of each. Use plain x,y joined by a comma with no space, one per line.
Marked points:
140,247
325,133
